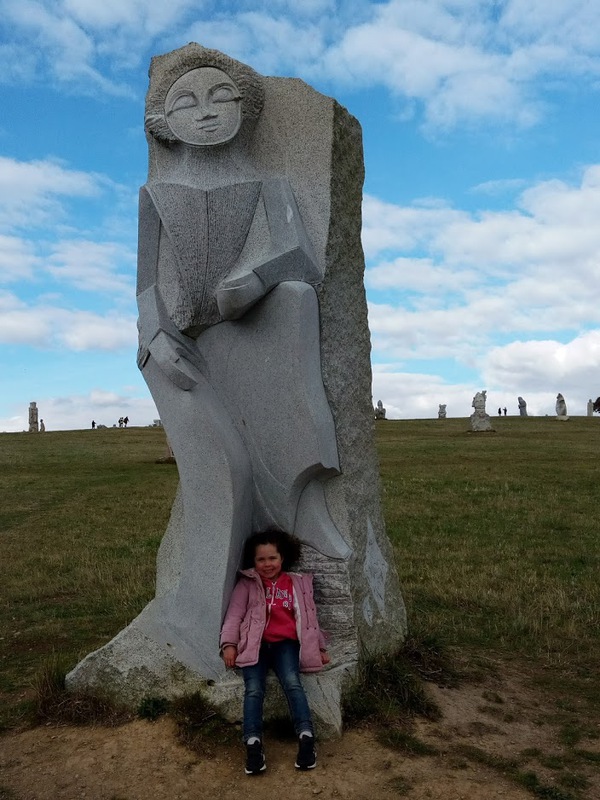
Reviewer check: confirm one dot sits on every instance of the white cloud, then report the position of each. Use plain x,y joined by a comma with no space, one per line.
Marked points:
499,187
461,62
65,51
17,259
535,364
571,24
446,56
390,227
473,276
30,191
272,45
46,326
20,325
84,330
93,266
418,275
16,64
147,16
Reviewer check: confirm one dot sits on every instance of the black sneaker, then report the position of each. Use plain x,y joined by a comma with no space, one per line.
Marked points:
307,756
255,759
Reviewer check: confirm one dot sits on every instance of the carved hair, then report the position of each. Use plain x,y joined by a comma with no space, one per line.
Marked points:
165,70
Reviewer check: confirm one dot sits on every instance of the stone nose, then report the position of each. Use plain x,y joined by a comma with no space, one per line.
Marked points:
205,112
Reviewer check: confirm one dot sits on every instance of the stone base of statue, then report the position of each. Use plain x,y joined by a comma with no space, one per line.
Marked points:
480,422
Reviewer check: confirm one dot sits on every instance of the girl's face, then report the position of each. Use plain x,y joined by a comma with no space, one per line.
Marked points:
268,561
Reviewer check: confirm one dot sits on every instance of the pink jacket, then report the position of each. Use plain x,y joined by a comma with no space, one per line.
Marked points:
246,618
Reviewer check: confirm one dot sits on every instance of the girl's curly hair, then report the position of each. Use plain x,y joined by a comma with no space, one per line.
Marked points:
288,546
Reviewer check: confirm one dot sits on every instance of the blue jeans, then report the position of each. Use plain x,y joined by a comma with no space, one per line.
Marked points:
283,657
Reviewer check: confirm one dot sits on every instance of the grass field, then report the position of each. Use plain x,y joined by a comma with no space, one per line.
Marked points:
495,534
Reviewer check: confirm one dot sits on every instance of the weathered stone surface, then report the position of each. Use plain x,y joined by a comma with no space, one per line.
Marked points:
269,412
442,411
379,410
522,407
480,420
561,408
33,418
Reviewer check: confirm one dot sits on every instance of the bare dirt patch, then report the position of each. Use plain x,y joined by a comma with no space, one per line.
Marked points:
143,760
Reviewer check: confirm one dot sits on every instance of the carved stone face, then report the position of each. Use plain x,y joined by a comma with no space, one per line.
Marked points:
204,107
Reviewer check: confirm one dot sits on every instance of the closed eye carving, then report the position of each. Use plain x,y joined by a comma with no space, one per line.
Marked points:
224,93
183,100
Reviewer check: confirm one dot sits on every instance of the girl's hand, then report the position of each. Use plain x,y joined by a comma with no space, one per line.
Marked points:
229,655
325,659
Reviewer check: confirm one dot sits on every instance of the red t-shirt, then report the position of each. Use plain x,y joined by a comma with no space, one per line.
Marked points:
281,622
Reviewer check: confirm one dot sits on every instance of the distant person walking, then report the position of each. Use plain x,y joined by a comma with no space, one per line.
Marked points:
499,412
505,411
125,421
93,424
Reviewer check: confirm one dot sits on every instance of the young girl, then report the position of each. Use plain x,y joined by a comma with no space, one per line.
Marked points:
272,622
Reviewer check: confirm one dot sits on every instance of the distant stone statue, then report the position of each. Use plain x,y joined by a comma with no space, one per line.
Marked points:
33,418
522,407
480,420
442,411
253,340
379,410
590,407
561,407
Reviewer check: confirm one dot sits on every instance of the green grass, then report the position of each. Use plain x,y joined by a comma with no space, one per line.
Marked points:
497,540
81,518
495,536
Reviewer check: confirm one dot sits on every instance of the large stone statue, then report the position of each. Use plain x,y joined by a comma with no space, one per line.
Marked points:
522,407
252,322
442,411
561,407
480,420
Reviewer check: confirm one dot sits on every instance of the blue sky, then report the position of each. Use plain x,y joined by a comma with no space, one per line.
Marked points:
482,192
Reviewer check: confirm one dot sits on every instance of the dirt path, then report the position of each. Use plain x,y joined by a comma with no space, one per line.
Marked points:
143,761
